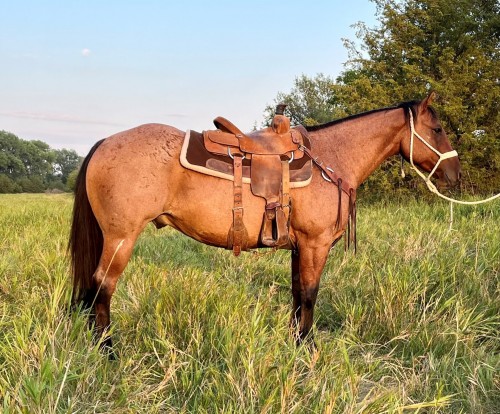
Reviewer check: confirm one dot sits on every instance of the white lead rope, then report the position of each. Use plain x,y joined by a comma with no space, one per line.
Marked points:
442,157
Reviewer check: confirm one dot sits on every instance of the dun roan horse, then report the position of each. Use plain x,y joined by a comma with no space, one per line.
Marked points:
134,177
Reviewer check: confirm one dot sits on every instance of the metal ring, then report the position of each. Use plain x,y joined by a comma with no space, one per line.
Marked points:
231,155
291,159
324,175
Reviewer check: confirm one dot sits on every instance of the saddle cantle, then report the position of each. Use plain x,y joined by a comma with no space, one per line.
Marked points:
270,159
278,139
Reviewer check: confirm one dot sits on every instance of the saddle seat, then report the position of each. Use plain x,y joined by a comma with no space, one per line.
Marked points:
262,142
270,151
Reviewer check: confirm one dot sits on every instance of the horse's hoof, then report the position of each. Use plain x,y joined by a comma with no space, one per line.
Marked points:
106,347
307,341
111,355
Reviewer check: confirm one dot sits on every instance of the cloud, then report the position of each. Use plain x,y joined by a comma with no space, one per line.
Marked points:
85,52
54,117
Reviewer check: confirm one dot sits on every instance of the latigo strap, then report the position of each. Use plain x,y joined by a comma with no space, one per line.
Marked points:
238,236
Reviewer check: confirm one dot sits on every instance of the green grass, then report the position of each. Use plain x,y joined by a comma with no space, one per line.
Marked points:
409,324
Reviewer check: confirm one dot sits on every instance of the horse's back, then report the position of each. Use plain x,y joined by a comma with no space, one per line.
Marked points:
155,141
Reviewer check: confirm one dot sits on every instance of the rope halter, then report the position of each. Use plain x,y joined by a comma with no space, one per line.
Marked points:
442,157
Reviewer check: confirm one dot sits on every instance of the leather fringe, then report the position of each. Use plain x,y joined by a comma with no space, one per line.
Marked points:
350,238
350,234
339,212
351,222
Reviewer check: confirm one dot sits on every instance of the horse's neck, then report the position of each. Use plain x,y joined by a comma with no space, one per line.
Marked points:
354,148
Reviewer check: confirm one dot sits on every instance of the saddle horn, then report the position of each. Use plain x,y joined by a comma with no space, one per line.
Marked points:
280,109
280,123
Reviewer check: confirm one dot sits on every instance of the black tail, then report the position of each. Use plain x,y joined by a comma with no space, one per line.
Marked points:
86,240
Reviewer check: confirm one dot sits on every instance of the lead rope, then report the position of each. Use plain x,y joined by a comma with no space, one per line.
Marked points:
432,188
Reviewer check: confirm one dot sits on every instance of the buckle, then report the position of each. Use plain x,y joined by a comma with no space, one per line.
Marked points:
232,156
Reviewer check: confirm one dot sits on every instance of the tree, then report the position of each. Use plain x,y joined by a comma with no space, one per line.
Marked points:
10,163
32,166
37,158
31,184
312,101
66,161
20,158
71,182
449,46
7,185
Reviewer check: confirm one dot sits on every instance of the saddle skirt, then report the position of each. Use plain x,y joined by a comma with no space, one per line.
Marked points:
194,156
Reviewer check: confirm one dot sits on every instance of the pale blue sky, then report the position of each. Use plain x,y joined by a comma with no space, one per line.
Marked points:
72,72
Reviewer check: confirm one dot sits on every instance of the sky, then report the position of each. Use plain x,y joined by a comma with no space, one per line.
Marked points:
73,72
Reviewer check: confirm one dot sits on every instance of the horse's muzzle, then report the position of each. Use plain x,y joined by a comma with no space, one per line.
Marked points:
449,174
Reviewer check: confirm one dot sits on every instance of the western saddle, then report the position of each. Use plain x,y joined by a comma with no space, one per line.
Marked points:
270,151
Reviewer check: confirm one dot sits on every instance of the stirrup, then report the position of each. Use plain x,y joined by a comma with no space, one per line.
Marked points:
274,231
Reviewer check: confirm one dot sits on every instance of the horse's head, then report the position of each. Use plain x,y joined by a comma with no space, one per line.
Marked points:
429,147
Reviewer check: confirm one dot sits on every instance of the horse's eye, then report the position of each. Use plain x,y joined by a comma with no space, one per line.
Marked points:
437,130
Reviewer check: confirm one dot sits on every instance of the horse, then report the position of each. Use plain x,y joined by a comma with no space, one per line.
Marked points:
134,178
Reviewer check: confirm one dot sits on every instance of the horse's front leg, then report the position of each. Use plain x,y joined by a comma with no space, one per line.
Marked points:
295,317
307,265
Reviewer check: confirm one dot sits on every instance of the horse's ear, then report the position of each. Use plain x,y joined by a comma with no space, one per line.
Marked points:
427,101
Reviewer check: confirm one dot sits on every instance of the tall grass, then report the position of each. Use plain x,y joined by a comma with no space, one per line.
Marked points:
409,324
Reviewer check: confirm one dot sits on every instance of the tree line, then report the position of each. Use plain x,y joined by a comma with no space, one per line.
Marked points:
449,46
34,167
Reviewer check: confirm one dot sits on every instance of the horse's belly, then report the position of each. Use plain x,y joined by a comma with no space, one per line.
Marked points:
202,208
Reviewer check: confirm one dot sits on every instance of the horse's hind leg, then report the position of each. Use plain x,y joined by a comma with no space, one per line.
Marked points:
115,256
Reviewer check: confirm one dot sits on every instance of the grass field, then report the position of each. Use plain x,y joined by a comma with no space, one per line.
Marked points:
409,324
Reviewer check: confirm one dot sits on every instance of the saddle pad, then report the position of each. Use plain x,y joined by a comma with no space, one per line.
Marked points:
195,157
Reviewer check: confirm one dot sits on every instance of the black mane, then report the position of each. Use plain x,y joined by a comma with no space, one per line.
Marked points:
410,105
